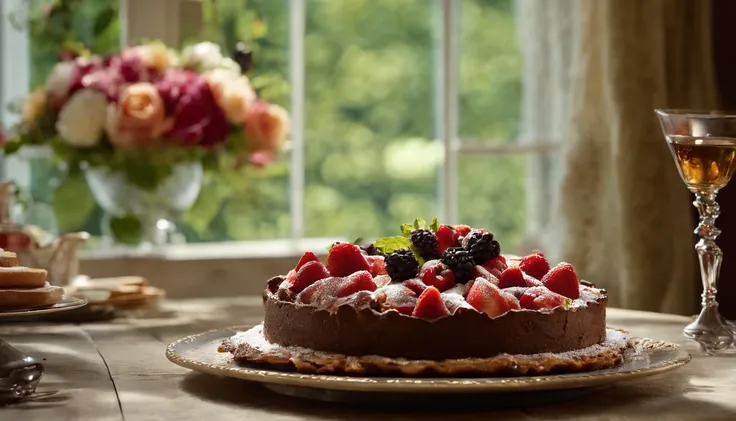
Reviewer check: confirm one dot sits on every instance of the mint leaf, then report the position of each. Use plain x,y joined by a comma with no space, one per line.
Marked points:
406,229
358,241
416,254
389,245
434,225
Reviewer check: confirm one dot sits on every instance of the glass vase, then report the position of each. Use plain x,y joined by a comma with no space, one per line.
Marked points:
135,216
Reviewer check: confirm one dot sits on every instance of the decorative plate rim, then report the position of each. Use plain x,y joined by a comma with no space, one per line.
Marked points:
425,384
66,304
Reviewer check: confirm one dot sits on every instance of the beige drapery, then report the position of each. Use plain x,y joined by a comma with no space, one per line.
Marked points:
593,72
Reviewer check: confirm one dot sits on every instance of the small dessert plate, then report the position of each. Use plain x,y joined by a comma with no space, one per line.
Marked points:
66,304
200,353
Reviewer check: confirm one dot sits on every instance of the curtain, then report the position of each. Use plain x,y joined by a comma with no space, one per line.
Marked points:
616,208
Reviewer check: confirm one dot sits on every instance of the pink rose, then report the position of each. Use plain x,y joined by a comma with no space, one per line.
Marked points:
137,118
266,127
197,120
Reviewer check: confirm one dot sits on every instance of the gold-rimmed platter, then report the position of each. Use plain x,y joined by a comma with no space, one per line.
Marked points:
199,352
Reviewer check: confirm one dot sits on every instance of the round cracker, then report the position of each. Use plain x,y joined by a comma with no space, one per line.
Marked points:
15,299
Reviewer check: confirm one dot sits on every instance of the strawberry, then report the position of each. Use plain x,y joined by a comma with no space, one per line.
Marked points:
315,292
514,277
377,265
516,291
461,231
397,297
307,257
563,280
496,265
534,265
437,275
511,277
415,285
485,297
346,258
481,272
430,305
358,281
382,280
540,298
445,239
309,273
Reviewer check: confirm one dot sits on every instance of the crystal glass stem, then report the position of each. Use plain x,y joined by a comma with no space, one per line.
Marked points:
708,329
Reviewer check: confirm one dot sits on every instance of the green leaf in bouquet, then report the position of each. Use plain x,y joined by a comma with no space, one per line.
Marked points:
12,147
144,174
72,203
126,229
103,20
207,206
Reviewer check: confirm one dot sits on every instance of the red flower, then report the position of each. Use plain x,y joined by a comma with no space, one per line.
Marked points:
197,120
110,74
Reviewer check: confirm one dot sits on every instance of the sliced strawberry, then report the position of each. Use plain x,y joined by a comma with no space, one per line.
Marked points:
481,272
496,265
309,273
397,297
541,298
511,277
415,285
377,265
438,276
430,305
487,298
307,257
315,292
563,280
358,281
382,280
461,231
445,239
346,258
534,265
515,291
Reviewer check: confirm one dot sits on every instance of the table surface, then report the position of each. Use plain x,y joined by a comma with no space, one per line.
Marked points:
117,370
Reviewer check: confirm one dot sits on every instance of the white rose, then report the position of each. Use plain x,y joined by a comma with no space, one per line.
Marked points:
202,56
60,80
82,120
233,93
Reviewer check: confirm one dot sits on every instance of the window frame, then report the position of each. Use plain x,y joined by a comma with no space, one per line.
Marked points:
173,15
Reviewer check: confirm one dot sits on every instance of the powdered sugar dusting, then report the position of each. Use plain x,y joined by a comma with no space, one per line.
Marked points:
252,347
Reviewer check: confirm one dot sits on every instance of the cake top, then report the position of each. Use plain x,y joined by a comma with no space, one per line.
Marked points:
433,271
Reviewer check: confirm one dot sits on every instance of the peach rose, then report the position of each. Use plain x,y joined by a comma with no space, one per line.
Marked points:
138,117
233,93
34,107
156,56
266,127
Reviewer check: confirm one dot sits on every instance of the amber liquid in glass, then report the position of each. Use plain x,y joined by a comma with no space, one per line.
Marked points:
705,164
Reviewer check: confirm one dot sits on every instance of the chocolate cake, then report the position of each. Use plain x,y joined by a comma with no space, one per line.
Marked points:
436,293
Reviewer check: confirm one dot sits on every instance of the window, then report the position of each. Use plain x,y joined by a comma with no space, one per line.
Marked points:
399,109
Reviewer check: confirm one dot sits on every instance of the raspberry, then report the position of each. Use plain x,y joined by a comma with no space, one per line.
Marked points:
481,246
460,262
425,242
401,265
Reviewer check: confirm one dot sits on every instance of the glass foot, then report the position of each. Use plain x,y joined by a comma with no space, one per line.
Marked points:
709,331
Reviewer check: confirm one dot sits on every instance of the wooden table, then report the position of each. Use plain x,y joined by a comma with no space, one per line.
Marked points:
117,370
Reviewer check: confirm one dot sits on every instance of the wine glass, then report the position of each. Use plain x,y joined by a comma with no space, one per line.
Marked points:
703,145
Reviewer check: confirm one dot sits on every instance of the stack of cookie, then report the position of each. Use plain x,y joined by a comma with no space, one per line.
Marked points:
22,287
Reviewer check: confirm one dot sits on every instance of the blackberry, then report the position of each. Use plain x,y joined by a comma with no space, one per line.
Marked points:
370,250
460,263
481,246
425,242
402,265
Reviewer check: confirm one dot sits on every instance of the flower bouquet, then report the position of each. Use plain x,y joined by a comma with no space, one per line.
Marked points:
142,126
